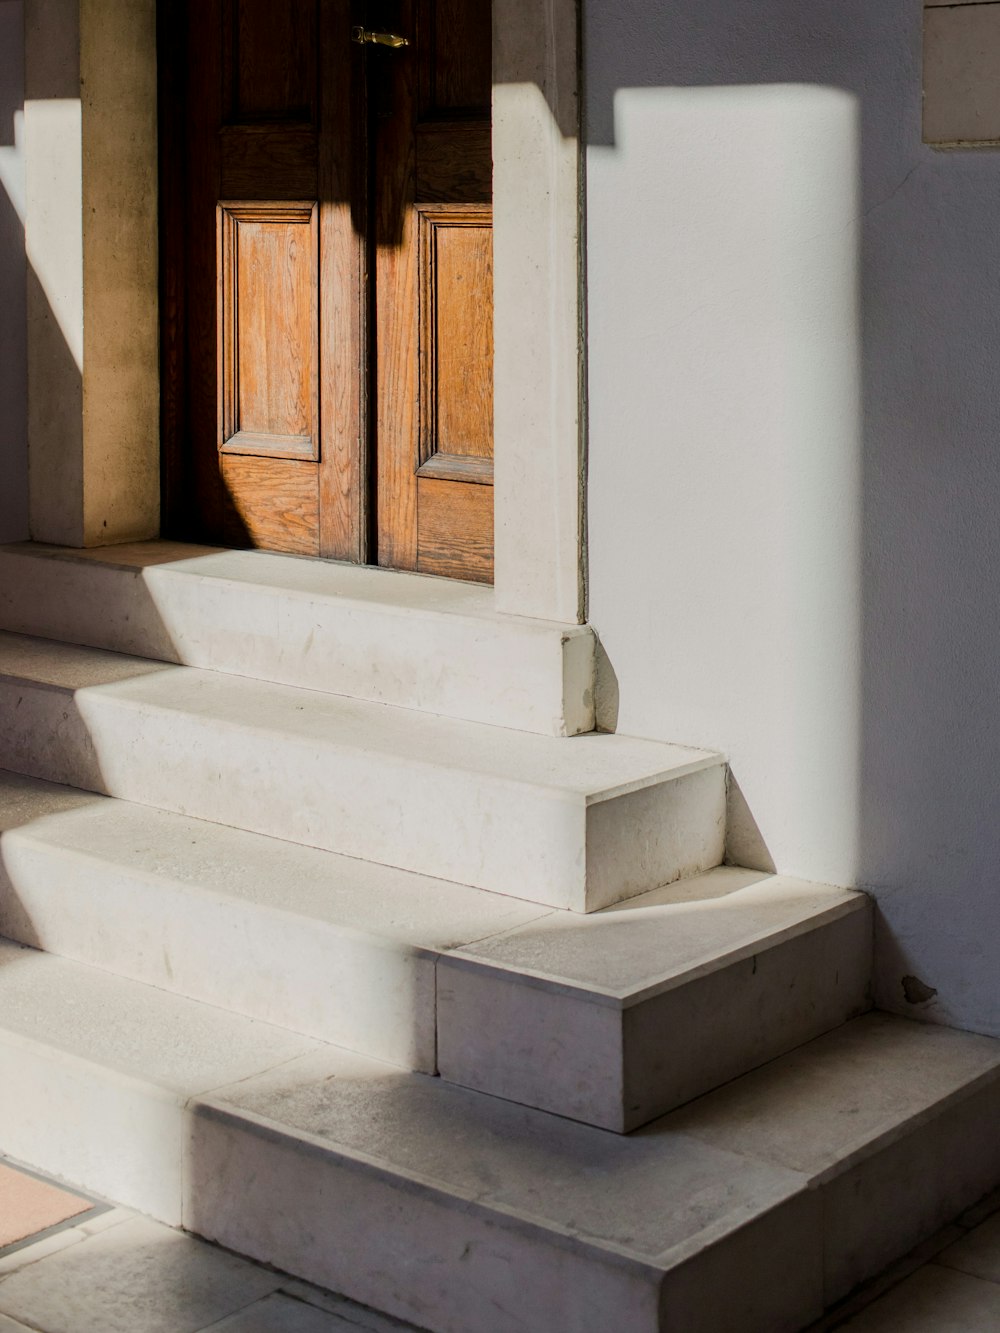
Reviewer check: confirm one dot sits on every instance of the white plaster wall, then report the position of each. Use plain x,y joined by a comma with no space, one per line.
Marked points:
13,389
794,451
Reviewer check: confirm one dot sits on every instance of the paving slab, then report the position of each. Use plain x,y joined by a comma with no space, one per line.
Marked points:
933,1300
283,1314
977,1253
136,1278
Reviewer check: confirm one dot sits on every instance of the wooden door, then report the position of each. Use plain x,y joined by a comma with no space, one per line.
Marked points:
434,288
264,275
327,279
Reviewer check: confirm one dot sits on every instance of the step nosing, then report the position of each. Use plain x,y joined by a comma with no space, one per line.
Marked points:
182,567
196,889
673,774
139,694
651,986
351,601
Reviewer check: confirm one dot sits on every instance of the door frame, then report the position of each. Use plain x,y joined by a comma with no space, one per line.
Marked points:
91,230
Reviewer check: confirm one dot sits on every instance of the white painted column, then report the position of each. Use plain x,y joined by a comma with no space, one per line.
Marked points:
538,311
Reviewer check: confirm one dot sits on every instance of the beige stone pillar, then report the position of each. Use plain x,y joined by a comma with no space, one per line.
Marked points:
91,237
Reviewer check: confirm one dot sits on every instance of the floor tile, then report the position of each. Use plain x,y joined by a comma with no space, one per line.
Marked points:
135,1278
979,1212
282,1314
358,1317
977,1253
933,1300
111,1217
24,1255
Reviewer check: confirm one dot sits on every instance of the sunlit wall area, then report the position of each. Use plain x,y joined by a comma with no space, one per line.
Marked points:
13,433
724,517
794,475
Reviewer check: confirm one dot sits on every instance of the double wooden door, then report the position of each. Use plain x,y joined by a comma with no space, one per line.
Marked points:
327,278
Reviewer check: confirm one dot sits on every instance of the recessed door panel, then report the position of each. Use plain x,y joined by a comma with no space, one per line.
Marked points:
277,502
269,60
268,329
458,73
456,342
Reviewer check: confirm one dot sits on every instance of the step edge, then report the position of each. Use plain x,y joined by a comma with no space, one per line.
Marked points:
531,626
540,630
655,1265
195,890
120,693
626,998
182,1096
896,1131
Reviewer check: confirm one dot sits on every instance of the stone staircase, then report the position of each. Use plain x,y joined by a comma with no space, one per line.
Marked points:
334,933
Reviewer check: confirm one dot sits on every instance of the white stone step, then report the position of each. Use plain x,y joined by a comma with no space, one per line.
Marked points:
98,1074
750,1209
619,1016
405,639
575,823
610,1018
325,945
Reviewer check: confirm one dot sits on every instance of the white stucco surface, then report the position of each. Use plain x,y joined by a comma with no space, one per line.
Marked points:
794,473
13,448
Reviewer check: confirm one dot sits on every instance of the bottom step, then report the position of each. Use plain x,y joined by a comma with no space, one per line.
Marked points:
752,1208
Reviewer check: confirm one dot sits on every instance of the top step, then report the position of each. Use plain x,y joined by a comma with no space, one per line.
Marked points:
431,644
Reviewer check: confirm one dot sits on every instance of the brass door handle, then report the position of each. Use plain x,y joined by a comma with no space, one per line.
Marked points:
365,37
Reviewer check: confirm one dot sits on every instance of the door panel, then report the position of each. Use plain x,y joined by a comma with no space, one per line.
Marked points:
434,284
264,266
456,530
457,73
269,330
276,502
269,65
456,339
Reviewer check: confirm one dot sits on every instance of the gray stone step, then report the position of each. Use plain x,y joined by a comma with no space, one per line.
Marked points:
406,639
619,1016
752,1208
321,944
610,1018
574,823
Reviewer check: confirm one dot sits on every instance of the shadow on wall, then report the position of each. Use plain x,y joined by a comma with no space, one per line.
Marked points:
13,361
840,645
